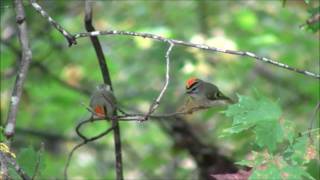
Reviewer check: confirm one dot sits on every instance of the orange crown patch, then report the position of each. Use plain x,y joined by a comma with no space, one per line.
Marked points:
191,81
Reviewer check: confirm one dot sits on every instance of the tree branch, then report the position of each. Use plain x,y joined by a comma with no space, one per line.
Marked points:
107,80
23,69
7,158
199,46
70,38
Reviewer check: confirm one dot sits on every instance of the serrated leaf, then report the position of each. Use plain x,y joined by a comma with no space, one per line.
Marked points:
268,134
270,172
289,131
250,110
295,172
299,150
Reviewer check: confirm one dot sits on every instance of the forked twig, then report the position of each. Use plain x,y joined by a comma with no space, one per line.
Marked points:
156,103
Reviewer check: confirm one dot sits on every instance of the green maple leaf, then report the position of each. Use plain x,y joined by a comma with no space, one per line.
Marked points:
299,150
268,134
250,111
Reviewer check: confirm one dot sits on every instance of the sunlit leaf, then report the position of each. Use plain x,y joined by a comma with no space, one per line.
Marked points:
269,172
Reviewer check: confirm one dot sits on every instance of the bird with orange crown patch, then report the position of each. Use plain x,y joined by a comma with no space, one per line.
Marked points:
205,93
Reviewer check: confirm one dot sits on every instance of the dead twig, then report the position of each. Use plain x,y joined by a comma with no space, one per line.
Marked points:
156,103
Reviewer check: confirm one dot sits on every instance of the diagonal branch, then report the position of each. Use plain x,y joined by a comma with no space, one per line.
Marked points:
70,38
23,69
199,46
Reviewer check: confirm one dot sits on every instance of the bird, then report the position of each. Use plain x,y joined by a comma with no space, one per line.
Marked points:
103,103
202,94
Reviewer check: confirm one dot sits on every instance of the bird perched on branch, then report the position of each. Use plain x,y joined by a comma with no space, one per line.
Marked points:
202,94
102,102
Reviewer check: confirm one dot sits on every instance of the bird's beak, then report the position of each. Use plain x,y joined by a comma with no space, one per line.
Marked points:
229,100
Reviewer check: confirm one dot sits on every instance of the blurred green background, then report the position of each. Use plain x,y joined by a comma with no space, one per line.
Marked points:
61,78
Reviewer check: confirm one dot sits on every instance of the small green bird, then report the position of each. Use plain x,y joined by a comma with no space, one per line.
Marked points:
102,102
204,93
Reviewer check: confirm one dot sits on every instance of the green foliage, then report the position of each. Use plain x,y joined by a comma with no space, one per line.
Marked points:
263,116
314,27
29,160
137,67
2,137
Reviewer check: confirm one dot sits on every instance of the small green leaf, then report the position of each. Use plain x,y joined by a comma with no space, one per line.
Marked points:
262,114
268,134
270,172
299,150
307,1
250,110
296,172
288,129
2,137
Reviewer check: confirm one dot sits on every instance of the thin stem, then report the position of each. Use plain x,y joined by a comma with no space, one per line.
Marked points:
156,103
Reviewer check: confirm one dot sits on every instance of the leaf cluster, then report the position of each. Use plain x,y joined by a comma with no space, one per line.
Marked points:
264,118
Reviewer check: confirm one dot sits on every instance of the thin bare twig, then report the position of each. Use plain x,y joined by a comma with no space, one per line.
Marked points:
70,38
23,69
81,144
138,116
199,46
156,103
